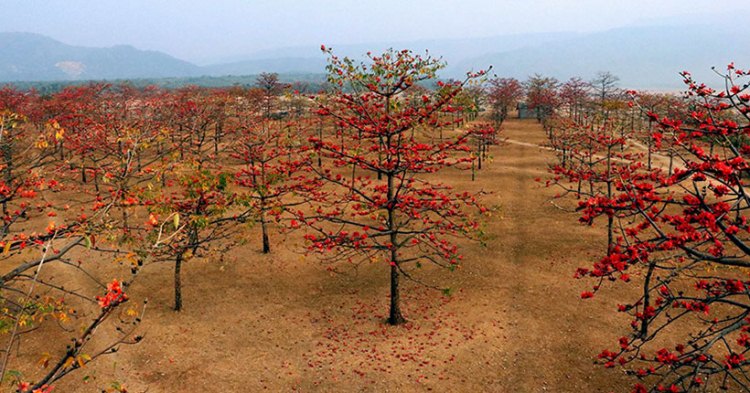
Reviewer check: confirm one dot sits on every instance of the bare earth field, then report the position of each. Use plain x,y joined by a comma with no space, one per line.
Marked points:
282,322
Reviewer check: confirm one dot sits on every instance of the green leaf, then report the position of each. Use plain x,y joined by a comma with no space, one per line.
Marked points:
222,181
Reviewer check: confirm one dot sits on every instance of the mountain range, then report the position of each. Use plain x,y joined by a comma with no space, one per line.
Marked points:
644,57
34,57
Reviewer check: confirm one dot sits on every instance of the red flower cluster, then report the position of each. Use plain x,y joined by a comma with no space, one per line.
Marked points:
114,296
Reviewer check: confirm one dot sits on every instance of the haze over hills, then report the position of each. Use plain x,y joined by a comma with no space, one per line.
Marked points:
310,59
644,57
27,56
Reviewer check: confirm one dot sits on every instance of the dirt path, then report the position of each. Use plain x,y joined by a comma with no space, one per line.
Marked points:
551,334
519,143
282,322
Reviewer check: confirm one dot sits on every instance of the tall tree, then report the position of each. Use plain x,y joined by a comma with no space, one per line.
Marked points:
542,95
271,87
503,94
404,218
573,95
604,87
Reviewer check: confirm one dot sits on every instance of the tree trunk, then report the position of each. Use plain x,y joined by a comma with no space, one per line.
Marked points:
125,227
650,142
263,223
671,161
8,171
610,233
320,138
381,142
395,317
610,217
218,131
264,229
177,283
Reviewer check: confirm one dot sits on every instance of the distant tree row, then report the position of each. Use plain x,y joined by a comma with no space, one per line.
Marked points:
546,95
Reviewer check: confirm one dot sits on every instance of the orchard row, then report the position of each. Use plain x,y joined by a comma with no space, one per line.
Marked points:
668,177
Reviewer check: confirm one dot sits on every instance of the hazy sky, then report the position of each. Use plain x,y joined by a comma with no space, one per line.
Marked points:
213,31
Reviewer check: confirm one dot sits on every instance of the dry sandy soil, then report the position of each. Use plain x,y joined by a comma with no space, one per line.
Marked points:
282,322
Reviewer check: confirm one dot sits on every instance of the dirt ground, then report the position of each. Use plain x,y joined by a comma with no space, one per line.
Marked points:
282,322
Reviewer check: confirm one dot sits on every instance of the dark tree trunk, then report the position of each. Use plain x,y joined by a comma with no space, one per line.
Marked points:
380,158
263,223
395,317
178,283
8,160
218,131
96,181
320,138
264,229
610,217
125,226
610,233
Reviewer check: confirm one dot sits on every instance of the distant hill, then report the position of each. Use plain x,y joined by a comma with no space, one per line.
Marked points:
644,57
281,65
26,56
309,59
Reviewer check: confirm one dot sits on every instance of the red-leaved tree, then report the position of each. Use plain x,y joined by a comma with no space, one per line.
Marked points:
503,94
381,200
686,236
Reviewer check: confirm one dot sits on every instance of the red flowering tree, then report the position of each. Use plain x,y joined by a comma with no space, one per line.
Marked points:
542,95
404,218
109,135
78,354
483,135
271,88
72,109
38,230
190,218
271,173
574,98
686,237
503,94
592,165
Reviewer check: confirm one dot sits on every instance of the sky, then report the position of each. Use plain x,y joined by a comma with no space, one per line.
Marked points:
215,31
